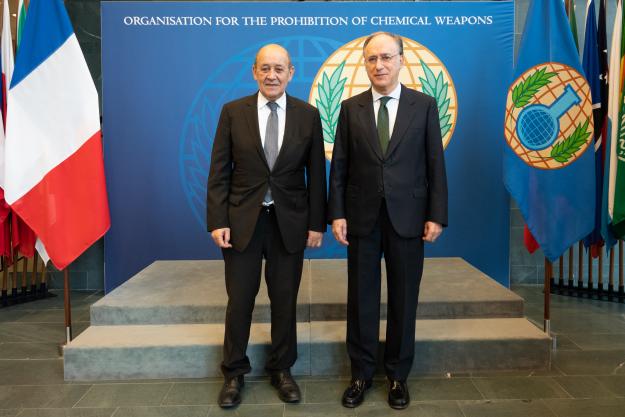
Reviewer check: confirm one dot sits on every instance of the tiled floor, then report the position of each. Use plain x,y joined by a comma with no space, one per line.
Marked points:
587,378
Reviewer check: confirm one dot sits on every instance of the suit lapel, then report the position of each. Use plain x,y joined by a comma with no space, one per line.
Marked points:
251,116
289,129
367,119
405,113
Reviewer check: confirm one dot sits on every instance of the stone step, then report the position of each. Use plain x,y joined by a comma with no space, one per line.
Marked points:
194,350
177,292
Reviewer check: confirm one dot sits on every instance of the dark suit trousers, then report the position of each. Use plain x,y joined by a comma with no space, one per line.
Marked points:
283,273
404,266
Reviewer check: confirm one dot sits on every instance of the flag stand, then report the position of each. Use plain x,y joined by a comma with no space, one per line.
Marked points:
24,273
14,275
43,289
5,278
68,307
571,285
33,277
621,286
547,305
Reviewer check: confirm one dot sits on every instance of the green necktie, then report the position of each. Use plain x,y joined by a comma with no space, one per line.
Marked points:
383,123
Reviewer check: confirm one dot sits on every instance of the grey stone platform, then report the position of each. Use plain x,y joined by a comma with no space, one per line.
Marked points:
167,322
169,292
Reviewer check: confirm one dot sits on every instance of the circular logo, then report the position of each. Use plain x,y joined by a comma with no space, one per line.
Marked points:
344,75
548,120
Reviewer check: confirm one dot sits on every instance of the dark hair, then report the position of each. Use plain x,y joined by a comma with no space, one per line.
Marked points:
397,38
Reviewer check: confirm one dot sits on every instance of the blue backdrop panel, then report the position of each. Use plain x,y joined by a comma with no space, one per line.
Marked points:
169,67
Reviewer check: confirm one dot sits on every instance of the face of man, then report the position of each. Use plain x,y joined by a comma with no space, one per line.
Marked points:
272,71
383,62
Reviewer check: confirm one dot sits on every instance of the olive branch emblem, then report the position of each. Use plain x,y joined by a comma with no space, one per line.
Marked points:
564,150
329,101
525,91
437,87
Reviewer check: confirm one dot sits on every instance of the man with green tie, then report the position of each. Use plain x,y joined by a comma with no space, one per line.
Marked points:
388,194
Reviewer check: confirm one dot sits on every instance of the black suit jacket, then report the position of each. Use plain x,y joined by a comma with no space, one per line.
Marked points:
239,174
410,176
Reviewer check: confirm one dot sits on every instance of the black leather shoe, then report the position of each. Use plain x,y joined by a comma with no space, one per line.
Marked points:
398,396
355,393
230,394
288,391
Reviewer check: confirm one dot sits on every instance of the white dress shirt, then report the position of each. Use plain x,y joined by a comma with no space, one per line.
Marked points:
391,105
263,115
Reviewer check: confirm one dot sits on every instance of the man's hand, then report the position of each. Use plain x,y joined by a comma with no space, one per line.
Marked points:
314,239
221,237
432,231
339,230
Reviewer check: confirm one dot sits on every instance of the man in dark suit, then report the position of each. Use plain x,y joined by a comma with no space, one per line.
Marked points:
266,198
388,194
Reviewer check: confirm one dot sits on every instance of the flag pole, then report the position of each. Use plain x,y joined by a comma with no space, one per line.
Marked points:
547,301
580,269
570,284
591,281
600,274
68,307
5,278
33,277
43,289
24,272
14,275
561,275
621,287
611,275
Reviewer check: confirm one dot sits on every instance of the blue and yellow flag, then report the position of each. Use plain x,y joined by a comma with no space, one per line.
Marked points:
549,166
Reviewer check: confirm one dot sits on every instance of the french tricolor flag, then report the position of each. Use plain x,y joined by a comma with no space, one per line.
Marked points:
54,167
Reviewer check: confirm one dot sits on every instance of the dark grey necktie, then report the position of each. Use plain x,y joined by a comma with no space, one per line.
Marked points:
271,142
383,127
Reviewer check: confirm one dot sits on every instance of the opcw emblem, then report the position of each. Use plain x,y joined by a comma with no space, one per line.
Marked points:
344,75
549,116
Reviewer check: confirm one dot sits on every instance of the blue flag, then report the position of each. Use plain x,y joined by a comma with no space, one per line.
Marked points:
596,76
549,162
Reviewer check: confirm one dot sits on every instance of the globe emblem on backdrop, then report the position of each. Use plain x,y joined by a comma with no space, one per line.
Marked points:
548,122
344,75
232,80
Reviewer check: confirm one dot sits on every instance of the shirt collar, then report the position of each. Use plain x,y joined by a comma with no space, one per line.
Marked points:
394,94
262,101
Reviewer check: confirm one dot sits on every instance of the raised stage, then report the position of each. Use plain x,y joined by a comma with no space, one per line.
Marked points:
167,322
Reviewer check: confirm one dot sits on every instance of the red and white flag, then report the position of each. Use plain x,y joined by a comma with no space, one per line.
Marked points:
6,67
